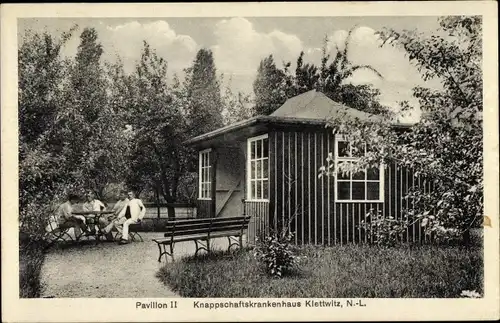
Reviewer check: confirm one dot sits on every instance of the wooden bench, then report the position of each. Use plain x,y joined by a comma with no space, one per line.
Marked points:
201,231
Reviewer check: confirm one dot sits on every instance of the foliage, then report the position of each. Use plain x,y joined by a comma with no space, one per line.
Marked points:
92,127
269,87
445,148
273,85
203,93
31,258
277,255
385,231
43,172
158,128
276,252
340,271
237,106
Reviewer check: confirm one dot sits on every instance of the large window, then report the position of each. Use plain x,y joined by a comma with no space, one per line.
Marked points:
364,186
257,168
205,179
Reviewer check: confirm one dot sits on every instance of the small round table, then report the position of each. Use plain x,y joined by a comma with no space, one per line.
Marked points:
95,216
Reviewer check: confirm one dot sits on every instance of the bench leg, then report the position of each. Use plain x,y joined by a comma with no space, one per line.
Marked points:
165,252
233,242
201,246
160,253
171,252
196,245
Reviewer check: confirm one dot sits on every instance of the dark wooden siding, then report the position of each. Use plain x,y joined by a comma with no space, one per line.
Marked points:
259,221
298,195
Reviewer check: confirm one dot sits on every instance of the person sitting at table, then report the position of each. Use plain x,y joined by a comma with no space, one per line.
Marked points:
67,220
133,212
93,204
113,221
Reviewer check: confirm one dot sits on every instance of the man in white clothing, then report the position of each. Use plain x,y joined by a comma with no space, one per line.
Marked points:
134,212
114,221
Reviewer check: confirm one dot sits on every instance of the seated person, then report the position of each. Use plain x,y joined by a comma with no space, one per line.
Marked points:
133,213
66,219
113,221
93,204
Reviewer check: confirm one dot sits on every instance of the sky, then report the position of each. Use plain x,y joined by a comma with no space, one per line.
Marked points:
239,43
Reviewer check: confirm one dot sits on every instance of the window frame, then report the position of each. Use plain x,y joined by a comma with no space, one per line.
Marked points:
337,159
201,168
249,159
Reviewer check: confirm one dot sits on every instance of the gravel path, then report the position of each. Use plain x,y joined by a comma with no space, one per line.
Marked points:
109,270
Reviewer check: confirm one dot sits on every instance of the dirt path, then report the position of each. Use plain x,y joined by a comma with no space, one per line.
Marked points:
109,270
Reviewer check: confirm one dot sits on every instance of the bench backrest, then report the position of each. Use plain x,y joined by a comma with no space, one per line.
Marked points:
206,226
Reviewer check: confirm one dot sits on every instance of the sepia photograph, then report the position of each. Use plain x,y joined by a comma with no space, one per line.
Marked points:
251,162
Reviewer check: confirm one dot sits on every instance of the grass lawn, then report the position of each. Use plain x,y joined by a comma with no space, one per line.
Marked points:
341,271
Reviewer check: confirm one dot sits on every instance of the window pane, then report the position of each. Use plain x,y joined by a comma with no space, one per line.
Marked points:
359,175
340,174
358,190
266,189
259,190
266,148
373,174
259,148
359,150
265,168
252,150
373,190
344,190
343,149
259,169
252,170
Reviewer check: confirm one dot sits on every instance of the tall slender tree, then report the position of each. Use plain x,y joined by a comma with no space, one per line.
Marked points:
204,95
269,87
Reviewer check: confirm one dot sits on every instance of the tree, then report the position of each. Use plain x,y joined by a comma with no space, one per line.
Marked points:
203,91
90,131
44,174
333,77
445,147
273,86
269,87
307,76
159,129
237,106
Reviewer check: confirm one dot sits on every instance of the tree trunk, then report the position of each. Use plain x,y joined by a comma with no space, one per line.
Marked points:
466,238
171,212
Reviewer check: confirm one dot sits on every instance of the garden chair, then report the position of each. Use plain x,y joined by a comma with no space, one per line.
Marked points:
132,232
54,233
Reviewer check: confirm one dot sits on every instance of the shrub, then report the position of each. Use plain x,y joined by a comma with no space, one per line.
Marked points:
385,231
276,254
31,258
